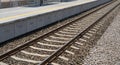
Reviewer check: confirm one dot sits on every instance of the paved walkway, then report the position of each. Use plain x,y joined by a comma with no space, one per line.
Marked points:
107,50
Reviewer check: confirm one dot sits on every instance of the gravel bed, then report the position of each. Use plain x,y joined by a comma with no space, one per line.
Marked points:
89,20
80,54
15,62
19,41
69,56
107,49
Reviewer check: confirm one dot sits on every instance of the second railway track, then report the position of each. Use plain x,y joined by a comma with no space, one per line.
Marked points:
45,49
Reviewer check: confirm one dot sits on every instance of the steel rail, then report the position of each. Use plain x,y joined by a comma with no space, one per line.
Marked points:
26,44
56,54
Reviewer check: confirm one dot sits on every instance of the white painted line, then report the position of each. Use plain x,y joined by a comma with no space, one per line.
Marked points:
74,47
71,30
49,44
85,36
74,26
2,63
25,60
100,24
35,54
65,32
69,52
64,58
63,35
96,27
91,31
79,43
57,41
42,49
89,34
84,40
63,38
55,63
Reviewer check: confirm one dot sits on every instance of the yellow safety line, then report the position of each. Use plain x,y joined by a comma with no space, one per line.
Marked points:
29,13
33,12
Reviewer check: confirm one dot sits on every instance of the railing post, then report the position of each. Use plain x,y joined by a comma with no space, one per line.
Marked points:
41,2
0,4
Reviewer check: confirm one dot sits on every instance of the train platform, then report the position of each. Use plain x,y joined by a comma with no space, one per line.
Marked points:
107,49
23,12
20,20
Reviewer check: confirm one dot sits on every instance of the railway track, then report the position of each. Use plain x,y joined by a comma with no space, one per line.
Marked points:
45,49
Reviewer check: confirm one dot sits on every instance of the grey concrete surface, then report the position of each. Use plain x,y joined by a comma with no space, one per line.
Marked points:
23,20
107,50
